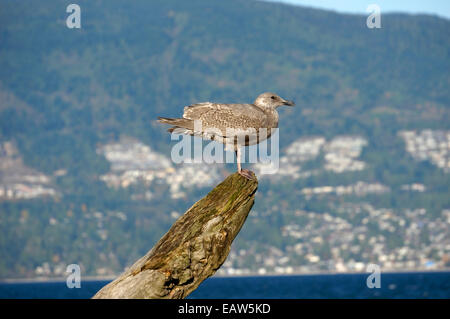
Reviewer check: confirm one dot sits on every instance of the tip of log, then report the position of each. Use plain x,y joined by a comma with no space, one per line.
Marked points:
193,249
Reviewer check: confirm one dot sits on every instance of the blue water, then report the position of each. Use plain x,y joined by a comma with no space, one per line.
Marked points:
404,285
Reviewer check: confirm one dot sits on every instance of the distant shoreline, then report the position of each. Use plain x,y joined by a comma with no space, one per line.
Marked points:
110,278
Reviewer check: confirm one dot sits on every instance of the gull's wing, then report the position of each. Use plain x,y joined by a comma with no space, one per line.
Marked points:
226,116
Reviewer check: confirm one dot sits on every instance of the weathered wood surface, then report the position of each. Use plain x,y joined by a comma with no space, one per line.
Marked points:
193,249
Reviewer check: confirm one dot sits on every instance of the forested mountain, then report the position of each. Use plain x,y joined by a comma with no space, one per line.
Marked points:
66,92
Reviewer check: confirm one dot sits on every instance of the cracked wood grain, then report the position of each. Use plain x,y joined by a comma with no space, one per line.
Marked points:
193,249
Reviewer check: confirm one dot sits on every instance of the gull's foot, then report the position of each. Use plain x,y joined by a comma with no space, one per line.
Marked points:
247,174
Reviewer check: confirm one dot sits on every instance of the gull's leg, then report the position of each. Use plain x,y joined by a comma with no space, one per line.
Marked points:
243,172
238,158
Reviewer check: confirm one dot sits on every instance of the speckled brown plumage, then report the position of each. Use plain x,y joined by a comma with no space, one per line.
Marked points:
228,123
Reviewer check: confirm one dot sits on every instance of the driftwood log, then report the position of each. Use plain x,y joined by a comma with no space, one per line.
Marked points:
193,249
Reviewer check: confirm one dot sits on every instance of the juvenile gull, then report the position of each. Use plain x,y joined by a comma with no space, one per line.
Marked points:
234,125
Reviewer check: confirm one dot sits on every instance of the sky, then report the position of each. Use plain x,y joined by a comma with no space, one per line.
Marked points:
436,7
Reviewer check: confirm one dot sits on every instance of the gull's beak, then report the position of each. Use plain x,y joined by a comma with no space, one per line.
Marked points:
289,103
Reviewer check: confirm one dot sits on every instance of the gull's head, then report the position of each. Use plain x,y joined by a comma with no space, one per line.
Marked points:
271,100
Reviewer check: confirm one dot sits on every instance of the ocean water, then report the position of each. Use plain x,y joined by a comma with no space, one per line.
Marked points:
398,285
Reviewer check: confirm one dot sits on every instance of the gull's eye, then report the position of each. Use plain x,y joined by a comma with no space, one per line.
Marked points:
272,97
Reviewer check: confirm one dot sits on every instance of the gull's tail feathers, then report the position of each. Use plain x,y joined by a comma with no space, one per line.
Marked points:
186,126
182,122
180,125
